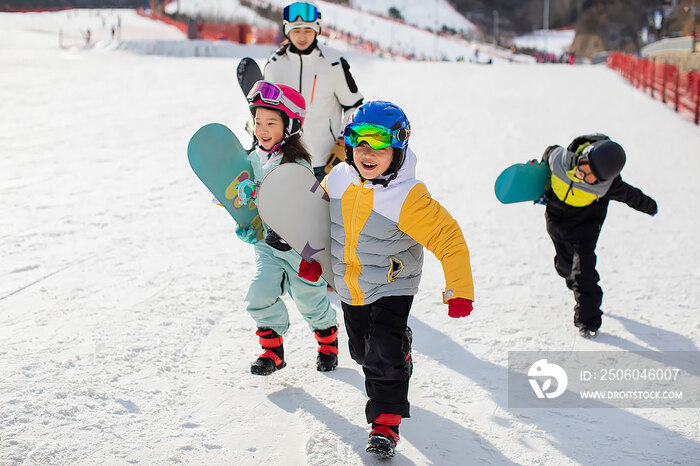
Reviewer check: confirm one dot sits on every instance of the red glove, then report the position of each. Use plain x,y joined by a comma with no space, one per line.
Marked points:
310,271
459,307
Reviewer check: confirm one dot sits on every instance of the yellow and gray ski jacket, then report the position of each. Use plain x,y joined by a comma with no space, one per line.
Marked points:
378,233
566,186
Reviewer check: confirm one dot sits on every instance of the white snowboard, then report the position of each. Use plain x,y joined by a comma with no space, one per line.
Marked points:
292,202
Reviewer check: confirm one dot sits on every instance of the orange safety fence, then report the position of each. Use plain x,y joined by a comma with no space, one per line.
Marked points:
233,32
662,81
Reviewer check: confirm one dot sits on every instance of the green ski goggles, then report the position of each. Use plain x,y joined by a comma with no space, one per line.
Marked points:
376,136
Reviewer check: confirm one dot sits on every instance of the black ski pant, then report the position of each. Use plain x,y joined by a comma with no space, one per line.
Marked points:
575,261
378,340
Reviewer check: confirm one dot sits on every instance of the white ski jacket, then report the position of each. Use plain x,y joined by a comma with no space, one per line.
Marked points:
323,78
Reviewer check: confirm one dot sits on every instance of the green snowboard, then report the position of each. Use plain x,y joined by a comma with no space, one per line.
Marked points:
522,182
220,162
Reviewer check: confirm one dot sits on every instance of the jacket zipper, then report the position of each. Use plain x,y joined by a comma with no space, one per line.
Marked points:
301,72
571,186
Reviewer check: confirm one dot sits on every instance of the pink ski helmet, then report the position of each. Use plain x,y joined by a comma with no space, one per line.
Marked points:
280,97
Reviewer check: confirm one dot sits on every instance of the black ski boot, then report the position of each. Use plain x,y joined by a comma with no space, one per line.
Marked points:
587,332
381,445
272,357
327,358
384,435
382,442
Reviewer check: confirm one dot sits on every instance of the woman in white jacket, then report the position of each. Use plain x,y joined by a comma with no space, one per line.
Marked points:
321,75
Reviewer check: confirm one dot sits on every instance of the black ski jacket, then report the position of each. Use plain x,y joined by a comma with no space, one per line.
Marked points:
569,223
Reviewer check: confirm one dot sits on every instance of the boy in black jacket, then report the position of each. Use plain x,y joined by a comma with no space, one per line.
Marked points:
585,177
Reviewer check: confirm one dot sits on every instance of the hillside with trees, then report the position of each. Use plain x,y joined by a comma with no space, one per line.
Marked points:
601,25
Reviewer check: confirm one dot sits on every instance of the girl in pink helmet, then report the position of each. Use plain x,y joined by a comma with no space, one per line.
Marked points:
278,113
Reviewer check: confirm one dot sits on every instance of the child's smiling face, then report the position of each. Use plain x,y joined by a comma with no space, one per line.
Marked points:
372,163
269,127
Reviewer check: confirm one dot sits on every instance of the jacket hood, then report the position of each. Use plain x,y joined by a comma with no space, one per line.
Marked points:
408,169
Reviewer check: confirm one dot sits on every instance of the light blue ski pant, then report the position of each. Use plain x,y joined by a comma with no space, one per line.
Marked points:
276,273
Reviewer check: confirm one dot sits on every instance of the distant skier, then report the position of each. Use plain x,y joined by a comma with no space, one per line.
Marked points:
585,177
278,113
322,76
381,217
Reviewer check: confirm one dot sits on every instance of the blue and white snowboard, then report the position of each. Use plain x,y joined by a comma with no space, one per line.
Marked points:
293,203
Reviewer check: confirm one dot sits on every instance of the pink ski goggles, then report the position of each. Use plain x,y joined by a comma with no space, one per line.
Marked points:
271,94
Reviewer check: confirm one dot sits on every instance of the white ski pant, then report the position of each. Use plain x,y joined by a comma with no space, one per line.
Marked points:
276,273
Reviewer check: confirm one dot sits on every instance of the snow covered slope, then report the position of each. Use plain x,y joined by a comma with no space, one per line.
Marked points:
431,14
124,338
363,22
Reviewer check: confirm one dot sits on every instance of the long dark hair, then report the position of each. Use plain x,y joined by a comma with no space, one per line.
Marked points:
293,150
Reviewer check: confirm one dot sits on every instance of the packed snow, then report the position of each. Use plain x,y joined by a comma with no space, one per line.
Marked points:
407,39
550,41
124,334
432,14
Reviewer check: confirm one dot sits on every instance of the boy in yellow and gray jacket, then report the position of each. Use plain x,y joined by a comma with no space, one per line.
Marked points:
381,217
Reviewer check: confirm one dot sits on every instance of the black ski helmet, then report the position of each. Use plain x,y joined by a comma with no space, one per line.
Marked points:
606,159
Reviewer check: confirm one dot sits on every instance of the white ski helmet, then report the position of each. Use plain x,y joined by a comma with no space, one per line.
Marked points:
301,15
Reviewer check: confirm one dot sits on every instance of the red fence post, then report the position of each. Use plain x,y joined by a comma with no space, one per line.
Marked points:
697,97
663,83
646,75
630,76
633,74
653,77
629,69
678,78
